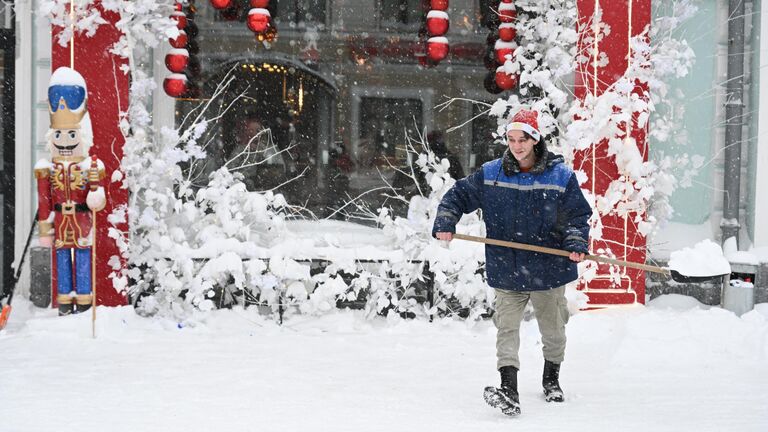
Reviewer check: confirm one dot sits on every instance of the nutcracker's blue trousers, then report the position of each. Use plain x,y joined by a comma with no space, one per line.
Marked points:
82,270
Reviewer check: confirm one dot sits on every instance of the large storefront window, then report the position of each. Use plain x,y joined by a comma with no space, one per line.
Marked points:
332,112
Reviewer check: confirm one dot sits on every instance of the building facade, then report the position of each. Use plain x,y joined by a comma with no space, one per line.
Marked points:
341,89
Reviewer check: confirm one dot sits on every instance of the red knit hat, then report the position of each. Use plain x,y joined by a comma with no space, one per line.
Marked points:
526,121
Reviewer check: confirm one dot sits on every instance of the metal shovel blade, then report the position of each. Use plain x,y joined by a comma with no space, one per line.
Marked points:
679,277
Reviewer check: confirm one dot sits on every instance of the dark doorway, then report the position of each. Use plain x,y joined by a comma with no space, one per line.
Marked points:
7,144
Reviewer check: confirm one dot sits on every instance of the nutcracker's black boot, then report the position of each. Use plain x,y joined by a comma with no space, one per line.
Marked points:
505,398
65,309
82,308
551,382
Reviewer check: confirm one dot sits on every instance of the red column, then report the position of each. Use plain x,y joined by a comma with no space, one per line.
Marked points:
107,97
626,18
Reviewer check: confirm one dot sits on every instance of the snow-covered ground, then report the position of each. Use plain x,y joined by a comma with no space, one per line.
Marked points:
672,366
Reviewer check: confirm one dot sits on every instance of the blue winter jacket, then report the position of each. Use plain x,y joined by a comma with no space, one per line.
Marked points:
544,207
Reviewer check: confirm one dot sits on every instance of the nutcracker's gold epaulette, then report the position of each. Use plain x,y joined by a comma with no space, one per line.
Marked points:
42,173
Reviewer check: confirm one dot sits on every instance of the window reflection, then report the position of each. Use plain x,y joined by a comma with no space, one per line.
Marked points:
384,124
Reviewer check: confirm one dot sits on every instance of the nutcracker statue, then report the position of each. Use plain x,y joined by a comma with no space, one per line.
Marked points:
69,192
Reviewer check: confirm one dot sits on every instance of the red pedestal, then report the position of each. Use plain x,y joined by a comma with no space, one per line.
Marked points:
107,97
626,18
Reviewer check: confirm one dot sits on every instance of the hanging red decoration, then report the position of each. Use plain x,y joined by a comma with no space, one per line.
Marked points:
258,20
437,23
441,5
437,48
507,12
504,80
221,4
504,49
176,60
179,41
259,3
175,85
507,32
177,7
180,18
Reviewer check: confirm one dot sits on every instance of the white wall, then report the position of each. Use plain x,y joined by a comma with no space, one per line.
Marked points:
33,70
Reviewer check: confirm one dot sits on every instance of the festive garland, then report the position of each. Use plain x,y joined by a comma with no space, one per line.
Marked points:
502,44
432,33
259,19
182,60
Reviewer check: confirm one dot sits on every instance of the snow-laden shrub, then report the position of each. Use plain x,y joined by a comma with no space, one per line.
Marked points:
456,269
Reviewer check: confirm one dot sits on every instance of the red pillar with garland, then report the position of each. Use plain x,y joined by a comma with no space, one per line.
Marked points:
107,98
626,19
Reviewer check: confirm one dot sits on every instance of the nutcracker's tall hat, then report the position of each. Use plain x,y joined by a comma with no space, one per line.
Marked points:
67,97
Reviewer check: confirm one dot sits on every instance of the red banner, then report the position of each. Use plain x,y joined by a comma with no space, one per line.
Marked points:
107,98
620,235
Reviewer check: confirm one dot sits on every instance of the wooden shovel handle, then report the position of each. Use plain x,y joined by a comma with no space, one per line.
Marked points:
551,251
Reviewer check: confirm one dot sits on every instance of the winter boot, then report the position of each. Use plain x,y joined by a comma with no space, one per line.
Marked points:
65,309
551,382
83,302
505,398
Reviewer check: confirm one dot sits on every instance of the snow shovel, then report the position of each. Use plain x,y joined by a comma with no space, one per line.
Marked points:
675,275
6,312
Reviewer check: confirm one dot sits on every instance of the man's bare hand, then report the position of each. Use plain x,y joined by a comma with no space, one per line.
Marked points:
576,257
444,236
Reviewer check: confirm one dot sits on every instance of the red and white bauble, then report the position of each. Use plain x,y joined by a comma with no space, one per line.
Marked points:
259,3
437,23
258,19
504,49
505,81
221,4
437,48
179,41
507,32
507,12
180,18
441,5
175,85
177,60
